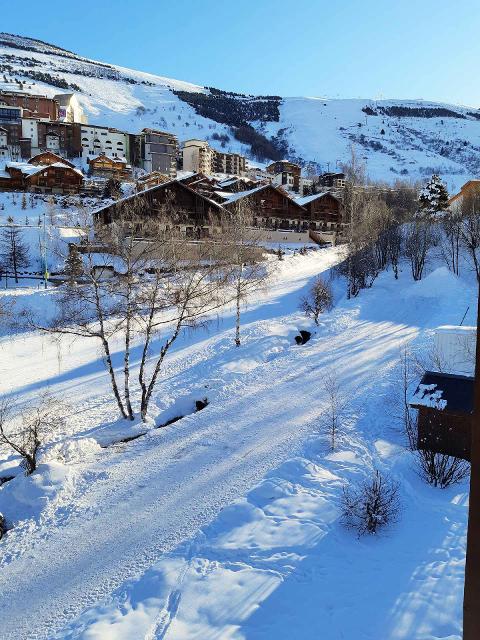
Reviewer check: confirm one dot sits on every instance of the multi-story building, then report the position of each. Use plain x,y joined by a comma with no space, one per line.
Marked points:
11,122
3,142
69,108
285,174
155,150
332,180
59,137
96,140
199,157
32,105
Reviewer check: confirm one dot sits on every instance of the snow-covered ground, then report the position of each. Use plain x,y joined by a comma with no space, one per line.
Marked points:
226,524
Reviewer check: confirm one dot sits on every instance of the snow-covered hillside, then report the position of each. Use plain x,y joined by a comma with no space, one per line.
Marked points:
394,142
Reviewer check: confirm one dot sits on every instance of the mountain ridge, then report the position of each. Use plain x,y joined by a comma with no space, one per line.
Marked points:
397,139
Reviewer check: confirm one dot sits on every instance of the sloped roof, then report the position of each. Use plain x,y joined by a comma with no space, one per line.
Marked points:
445,392
306,199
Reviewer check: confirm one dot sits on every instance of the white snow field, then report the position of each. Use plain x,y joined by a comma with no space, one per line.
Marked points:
225,524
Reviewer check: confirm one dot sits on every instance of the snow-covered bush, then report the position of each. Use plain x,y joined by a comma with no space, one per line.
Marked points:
372,505
3,526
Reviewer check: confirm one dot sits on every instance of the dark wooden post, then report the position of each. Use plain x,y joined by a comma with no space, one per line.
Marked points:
471,597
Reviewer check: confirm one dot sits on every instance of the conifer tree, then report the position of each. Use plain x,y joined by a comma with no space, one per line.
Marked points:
433,198
73,264
13,249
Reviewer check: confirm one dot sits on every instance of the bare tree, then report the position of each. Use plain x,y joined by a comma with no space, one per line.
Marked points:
336,407
451,224
246,270
372,505
13,249
27,432
420,238
141,282
318,299
470,228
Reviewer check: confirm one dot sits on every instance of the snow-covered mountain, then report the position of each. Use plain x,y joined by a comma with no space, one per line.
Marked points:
396,138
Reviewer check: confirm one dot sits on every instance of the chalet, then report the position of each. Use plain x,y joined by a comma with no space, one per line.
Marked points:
47,158
44,173
271,207
325,211
151,179
445,413
104,166
173,202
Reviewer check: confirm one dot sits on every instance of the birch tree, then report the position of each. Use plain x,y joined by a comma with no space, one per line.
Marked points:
142,285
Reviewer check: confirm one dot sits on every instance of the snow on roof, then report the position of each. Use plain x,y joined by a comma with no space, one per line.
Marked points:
245,194
31,169
444,390
427,395
305,200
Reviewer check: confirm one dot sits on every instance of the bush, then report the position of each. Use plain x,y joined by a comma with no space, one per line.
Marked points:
3,526
318,299
372,505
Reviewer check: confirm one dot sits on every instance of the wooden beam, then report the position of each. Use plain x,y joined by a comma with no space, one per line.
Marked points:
471,599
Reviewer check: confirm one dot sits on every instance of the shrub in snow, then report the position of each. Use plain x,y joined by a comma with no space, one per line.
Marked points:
318,299
27,432
372,505
3,526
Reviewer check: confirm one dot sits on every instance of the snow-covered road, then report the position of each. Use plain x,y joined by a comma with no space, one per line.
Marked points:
119,512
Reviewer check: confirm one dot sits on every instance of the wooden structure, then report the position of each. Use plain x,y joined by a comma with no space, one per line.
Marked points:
287,173
471,598
151,180
174,203
324,210
106,167
445,413
44,173
271,208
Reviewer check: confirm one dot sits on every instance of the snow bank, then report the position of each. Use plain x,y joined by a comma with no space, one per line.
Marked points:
440,283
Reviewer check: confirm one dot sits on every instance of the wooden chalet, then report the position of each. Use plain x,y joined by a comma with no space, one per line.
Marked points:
445,413
44,173
325,211
48,158
103,166
151,180
271,207
173,202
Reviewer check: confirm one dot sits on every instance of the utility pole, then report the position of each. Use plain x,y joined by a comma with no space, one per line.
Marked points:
471,596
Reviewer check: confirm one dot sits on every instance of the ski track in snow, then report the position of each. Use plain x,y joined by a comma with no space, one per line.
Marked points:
141,500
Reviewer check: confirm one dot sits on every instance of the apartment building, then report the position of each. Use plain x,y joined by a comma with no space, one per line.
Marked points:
69,108
155,150
38,106
96,140
285,174
199,157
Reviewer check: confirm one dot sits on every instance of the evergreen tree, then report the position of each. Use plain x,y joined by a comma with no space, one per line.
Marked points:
73,264
24,202
13,249
433,198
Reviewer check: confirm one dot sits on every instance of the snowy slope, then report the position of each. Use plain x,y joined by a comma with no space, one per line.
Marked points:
165,537
314,129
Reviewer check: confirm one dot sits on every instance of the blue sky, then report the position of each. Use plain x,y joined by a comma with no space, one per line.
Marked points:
371,48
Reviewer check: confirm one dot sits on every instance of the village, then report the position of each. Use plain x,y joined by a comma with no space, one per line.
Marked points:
240,391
